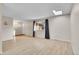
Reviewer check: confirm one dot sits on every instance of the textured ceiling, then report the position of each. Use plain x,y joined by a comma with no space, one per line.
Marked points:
28,11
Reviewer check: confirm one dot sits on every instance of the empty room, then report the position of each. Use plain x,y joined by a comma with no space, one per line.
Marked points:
39,28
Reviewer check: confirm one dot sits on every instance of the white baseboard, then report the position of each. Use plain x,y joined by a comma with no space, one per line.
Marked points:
62,40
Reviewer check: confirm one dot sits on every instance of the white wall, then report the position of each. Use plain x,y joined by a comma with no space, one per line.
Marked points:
23,27
0,28
18,31
1,9
18,25
0,15
28,28
60,28
75,28
7,30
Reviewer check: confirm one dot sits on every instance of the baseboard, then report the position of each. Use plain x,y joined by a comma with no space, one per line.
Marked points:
19,34
62,40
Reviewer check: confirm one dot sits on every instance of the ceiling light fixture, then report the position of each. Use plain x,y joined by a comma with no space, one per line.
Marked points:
57,12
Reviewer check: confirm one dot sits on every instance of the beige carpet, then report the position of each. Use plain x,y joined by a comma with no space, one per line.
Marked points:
33,46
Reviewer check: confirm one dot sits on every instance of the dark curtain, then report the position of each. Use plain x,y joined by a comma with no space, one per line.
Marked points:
33,29
47,29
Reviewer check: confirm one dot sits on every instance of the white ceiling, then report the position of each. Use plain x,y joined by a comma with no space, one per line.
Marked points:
28,11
